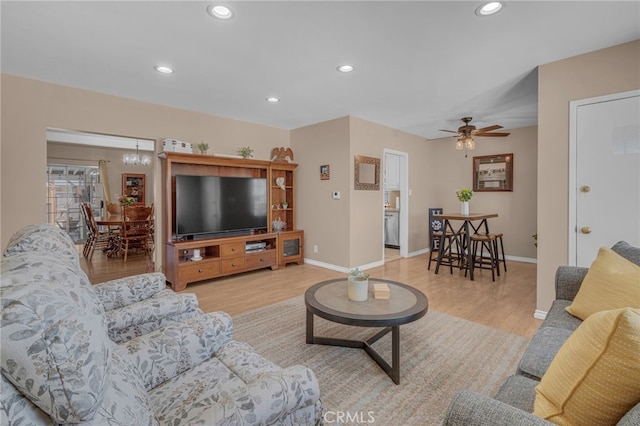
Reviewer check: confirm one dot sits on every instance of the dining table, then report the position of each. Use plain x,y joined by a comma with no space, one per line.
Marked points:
471,223
113,222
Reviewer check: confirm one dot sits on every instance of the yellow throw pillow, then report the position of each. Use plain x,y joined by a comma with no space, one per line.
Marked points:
595,377
612,282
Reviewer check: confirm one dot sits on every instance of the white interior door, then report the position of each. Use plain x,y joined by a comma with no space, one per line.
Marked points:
606,189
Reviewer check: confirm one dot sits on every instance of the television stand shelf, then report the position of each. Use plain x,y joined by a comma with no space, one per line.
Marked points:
219,257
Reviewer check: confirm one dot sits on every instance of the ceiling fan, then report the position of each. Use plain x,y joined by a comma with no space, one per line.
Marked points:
465,133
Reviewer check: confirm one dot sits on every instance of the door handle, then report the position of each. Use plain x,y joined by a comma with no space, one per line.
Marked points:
585,188
585,230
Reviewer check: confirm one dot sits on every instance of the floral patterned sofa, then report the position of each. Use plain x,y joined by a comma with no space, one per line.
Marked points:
127,352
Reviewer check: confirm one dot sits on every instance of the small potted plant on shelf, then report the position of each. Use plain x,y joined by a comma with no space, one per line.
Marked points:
464,195
203,147
246,152
285,204
358,285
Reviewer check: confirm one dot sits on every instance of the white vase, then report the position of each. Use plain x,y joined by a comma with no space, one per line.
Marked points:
464,208
358,290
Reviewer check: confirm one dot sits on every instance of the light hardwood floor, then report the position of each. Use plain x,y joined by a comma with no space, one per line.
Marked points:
507,304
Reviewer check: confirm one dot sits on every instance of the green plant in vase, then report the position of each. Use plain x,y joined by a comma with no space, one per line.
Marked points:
357,275
203,147
464,194
246,152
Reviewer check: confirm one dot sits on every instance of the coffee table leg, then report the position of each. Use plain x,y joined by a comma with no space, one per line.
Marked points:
309,326
393,370
395,354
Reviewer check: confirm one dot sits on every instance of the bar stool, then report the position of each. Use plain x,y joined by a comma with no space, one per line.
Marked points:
498,237
449,257
487,241
436,228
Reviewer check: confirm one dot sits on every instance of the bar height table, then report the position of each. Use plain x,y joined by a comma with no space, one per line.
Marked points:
463,233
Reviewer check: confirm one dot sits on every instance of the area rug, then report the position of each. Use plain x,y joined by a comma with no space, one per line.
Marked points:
440,355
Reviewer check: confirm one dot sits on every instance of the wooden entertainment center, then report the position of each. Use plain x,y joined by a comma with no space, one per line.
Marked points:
229,255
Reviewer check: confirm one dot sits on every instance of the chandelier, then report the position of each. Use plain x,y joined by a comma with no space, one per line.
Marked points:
135,159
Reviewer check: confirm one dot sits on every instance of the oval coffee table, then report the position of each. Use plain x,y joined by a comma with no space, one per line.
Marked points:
329,300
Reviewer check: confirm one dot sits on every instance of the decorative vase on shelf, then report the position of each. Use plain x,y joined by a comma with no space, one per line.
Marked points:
358,290
464,208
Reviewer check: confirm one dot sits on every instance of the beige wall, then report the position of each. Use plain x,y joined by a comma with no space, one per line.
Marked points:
367,213
324,220
29,107
349,231
612,70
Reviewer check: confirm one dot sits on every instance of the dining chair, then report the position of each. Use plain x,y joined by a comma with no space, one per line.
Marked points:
95,237
136,230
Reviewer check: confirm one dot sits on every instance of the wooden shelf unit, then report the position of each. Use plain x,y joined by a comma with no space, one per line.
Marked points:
277,195
133,186
228,255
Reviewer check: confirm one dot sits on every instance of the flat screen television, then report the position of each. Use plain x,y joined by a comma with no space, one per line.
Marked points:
219,205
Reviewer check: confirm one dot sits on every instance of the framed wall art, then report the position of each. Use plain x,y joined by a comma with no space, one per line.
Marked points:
493,173
366,173
325,174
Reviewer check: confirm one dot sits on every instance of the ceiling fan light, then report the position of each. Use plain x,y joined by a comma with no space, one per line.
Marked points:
470,143
459,144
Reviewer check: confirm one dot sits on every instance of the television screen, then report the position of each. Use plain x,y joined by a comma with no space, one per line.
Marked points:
219,204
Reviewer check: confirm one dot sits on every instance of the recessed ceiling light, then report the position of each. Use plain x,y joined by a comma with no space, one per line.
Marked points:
345,68
163,69
219,11
273,99
489,8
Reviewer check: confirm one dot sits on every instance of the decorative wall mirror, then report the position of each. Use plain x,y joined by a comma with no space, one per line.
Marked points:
366,173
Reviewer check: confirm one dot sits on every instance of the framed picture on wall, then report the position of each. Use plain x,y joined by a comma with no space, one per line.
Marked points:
493,173
325,174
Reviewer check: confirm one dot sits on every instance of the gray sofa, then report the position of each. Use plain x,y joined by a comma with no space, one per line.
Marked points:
127,352
513,404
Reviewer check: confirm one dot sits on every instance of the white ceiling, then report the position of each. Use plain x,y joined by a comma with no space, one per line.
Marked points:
420,65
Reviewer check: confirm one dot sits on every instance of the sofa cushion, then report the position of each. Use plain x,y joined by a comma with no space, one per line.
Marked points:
612,282
541,351
55,348
519,392
558,316
627,251
595,377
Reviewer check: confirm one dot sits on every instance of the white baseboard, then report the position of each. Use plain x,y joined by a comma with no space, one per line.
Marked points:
538,314
342,268
419,252
412,254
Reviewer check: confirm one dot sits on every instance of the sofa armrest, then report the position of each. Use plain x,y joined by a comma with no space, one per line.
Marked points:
472,409
269,398
118,293
164,305
171,350
568,281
